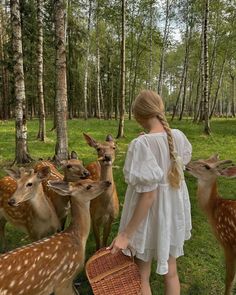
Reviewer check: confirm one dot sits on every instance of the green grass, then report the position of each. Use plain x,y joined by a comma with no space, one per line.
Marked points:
201,270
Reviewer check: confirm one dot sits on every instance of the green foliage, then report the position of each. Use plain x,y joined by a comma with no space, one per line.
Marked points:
201,269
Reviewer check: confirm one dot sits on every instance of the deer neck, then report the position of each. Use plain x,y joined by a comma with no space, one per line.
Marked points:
68,177
106,173
41,204
207,193
80,220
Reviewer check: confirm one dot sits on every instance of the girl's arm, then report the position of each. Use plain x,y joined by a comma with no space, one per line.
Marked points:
145,201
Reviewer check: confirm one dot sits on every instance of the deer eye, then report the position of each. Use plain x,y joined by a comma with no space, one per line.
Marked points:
89,187
98,149
69,166
29,184
207,167
114,147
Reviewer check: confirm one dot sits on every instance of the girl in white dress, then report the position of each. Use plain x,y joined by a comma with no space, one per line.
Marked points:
156,217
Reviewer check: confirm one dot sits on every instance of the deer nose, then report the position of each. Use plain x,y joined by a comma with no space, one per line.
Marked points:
11,202
107,157
108,183
86,173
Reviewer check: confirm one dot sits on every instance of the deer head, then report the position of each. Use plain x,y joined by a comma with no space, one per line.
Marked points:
74,169
28,183
209,169
105,150
83,190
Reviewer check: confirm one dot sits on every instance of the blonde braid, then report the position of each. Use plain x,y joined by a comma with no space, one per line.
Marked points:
174,175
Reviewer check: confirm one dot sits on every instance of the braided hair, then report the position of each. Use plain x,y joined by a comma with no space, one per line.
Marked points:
149,104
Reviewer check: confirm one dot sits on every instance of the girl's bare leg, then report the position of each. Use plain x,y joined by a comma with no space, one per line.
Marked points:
145,270
171,279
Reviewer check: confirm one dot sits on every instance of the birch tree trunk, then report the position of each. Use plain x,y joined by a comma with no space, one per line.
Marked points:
149,82
21,154
206,71
218,88
61,149
86,63
98,63
164,46
122,82
42,124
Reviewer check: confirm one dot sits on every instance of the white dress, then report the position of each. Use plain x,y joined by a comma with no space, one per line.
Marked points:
168,222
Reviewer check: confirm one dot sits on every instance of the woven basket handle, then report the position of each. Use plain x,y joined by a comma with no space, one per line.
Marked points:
105,252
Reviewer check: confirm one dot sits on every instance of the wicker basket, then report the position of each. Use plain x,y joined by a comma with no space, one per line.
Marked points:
113,274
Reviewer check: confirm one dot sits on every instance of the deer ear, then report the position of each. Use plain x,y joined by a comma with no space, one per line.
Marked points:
229,172
15,174
214,158
109,137
44,172
60,187
90,141
74,155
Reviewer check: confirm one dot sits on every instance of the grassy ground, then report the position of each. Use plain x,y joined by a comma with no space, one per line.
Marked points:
201,270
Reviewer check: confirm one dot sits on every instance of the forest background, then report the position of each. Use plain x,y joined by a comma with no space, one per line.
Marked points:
83,59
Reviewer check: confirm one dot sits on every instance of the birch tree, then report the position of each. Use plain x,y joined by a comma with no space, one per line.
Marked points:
61,149
206,69
42,123
122,83
21,153
86,63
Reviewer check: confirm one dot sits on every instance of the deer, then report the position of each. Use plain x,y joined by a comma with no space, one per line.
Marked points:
73,170
51,264
25,205
221,213
105,208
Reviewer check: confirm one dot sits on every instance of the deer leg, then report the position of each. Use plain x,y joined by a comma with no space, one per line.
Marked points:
106,231
66,288
96,233
230,270
2,233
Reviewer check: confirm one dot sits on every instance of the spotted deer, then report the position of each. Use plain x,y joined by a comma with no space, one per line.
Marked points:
73,170
105,208
25,205
51,265
221,213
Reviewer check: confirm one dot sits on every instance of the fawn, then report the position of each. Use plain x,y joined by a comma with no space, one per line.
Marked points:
18,216
37,217
105,208
73,170
51,264
220,212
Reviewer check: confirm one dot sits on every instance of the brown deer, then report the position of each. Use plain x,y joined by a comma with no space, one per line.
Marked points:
73,170
50,265
105,208
221,213
37,217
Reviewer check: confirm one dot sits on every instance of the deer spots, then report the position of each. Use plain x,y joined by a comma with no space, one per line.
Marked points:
18,268
12,284
54,256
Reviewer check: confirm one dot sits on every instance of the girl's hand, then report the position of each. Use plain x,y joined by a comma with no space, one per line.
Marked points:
121,242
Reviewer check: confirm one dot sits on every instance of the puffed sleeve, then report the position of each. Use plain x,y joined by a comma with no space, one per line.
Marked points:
187,150
141,169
